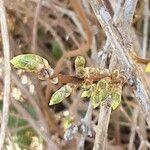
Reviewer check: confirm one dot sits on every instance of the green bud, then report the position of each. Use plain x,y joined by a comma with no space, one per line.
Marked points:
61,94
86,93
79,61
116,96
67,122
29,62
80,72
86,85
104,83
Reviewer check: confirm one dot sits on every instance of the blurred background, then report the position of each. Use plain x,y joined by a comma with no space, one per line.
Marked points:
50,28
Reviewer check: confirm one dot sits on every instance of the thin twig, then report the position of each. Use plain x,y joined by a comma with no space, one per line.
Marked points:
102,127
86,127
145,28
34,34
142,128
39,129
7,72
133,130
123,56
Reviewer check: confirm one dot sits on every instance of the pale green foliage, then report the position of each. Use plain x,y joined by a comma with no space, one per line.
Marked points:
79,66
86,93
29,62
67,122
61,94
116,96
80,72
147,68
80,61
96,98
100,92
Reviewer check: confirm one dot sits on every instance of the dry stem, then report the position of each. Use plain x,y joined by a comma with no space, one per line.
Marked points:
102,127
115,38
7,72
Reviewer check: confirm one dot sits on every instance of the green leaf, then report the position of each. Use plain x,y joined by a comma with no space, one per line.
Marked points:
147,68
96,98
79,61
61,94
101,92
80,72
67,122
56,51
116,96
24,137
29,62
86,93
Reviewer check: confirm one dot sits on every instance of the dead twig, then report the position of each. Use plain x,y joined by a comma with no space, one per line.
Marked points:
7,73
86,127
34,34
102,127
115,38
145,28
85,47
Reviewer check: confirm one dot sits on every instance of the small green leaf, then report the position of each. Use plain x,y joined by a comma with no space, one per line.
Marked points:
86,93
80,72
147,68
67,122
101,92
56,50
116,96
79,61
29,62
96,98
61,94
57,97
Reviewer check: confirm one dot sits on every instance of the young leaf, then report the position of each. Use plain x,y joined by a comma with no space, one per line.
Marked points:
96,98
57,97
116,96
80,72
67,122
86,93
56,50
29,62
79,61
147,68
61,94
101,92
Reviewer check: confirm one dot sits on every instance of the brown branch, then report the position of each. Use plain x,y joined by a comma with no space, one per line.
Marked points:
7,73
139,60
85,47
34,34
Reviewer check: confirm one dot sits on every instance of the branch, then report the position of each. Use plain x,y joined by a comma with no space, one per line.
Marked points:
128,8
121,50
7,72
86,127
127,13
102,127
34,32
85,47
145,28
133,130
